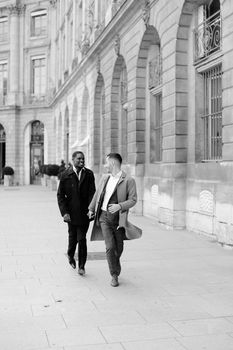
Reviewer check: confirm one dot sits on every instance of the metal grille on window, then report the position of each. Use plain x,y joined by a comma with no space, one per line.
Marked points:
2,134
212,118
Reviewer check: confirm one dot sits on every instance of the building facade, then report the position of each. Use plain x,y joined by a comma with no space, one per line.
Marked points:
150,79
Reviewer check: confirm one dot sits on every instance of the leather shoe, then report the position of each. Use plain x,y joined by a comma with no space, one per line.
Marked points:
81,271
114,281
72,262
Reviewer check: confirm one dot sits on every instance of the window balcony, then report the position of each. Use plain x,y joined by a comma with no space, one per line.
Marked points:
208,37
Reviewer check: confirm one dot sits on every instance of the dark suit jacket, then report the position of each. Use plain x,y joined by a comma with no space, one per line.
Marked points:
74,196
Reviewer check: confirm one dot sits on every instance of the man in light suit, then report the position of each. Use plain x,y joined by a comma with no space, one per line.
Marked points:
114,197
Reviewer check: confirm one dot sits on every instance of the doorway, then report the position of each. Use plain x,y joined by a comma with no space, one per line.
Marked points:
2,151
36,152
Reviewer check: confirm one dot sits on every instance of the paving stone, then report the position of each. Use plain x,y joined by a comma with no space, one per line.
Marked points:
202,327
96,347
207,342
23,340
75,336
164,344
134,332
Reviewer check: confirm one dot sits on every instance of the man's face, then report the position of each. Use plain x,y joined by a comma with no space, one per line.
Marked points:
79,160
109,163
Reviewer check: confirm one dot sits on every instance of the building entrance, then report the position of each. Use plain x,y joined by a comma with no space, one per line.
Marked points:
2,151
36,152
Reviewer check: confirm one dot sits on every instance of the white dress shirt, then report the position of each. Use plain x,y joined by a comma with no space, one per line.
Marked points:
78,174
111,185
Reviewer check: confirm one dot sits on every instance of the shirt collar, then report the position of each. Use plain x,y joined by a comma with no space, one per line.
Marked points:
118,175
75,170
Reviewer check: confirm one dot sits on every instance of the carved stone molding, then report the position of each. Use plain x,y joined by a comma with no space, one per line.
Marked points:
53,3
85,45
16,9
114,7
117,44
146,12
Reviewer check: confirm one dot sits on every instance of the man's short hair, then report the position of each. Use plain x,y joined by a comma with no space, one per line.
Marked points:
115,156
77,152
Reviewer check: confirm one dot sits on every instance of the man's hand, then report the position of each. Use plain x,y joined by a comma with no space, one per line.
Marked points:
91,215
114,208
66,218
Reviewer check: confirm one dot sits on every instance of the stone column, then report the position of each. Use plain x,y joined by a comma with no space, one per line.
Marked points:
15,11
75,15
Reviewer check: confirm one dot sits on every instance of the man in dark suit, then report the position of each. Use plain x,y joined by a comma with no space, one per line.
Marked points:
75,192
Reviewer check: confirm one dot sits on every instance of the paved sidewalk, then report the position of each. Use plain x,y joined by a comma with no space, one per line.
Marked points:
175,293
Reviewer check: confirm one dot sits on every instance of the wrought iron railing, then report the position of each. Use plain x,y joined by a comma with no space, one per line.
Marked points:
208,37
155,72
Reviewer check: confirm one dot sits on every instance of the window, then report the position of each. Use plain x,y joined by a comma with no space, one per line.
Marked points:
71,42
103,144
123,114
3,82
38,77
154,103
63,52
156,128
212,118
3,29
39,23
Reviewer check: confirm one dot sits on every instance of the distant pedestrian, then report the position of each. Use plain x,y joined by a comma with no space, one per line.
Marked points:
116,193
62,168
75,192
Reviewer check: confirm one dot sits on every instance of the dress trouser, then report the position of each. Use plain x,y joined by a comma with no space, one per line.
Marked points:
114,242
77,236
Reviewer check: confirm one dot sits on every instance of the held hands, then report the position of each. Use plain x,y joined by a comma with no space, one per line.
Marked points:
113,208
66,218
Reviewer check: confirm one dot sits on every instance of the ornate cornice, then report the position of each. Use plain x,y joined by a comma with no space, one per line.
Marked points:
16,9
146,12
53,3
117,44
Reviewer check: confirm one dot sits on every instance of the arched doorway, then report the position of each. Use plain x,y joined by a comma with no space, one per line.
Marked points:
36,151
2,150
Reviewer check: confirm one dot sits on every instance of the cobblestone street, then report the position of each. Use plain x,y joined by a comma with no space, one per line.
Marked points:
175,293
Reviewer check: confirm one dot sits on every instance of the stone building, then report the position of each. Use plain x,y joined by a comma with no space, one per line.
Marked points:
151,79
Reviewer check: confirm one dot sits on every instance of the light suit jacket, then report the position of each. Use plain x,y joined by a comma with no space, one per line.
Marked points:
127,198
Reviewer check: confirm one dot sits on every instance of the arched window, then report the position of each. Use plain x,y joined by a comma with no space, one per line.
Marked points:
154,102
123,113
103,124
